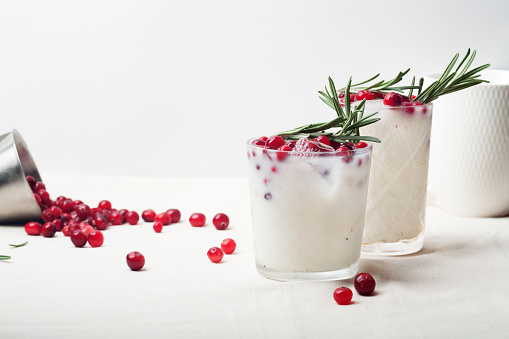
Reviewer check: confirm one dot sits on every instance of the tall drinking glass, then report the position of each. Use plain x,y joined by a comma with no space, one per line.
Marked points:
308,212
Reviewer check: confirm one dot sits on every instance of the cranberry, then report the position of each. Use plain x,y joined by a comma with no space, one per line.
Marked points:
174,215
275,142
135,260
76,202
56,211
361,144
342,100
291,143
197,219
78,238
104,205
363,94
86,228
31,180
95,238
47,216
73,225
392,99
66,206
323,139
33,228
65,231
132,217
345,152
48,230
259,142
343,295
341,94
116,218
228,246
221,221
148,215
163,218
282,155
39,186
38,199
123,213
364,283
378,95
158,227
44,197
305,145
58,224
82,210
215,254
100,222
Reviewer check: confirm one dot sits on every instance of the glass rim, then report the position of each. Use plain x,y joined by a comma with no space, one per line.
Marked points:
355,151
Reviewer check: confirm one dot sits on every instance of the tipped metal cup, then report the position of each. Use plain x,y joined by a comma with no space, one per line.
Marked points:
17,202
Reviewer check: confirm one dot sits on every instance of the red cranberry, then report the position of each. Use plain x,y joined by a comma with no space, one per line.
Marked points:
282,155
38,199
305,145
48,230
132,217
378,95
228,246
65,231
95,238
174,215
158,227
78,238
163,218
363,94
76,202
47,216
58,224
100,222
341,94
342,100
73,226
33,228
82,210
86,228
66,206
264,138
343,295
221,221
135,260
197,219
275,142
148,215
56,211
361,144
39,186
392,99
44,197
291,143
259,142
116,218
123,213
215,254
104,205
31,180
364,283
323,139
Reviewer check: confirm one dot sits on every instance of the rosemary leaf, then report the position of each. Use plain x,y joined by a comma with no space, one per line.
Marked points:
19,245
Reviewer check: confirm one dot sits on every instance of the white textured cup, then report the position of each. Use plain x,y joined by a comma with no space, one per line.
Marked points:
469,156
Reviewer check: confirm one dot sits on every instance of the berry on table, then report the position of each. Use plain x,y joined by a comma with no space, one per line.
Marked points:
221,221
215,254
158,227
163,218
33,228
78,238
48,230
135,260
228,246
116,218
148,215
364,283
104,205
343,295
95,238
132,217
174,215
197,219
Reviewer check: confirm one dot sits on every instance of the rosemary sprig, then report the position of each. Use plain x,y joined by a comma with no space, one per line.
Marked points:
348,120
385,86
455,81
4,257
19,245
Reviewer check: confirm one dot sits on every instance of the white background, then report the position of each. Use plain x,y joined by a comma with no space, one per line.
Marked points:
166,88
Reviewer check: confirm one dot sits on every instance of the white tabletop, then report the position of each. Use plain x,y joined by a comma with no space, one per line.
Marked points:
456,287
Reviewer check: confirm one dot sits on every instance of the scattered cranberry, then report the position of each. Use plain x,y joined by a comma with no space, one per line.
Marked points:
163,218
361,144
65,231
56,211
104,205
47,216
221,221
95,238
115,218
148,215
38,199
100,222
132,217
76,202
48,230
158,227
78,238
197,219
82,210
363,94
343,295
135,261
364,283
31,181
392,99
215,254
87,229
174,215
123,213
58,224
66,206
228,246
275,142
39,186
33,228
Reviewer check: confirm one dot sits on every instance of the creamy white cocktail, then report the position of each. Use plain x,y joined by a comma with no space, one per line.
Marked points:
308,211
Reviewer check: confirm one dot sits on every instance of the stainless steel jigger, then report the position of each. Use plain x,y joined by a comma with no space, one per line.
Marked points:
17,202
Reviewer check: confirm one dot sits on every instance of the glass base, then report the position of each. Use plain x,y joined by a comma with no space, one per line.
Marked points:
278,275
401,247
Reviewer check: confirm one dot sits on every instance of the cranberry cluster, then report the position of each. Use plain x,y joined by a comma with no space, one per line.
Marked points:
319,144
392,99
364,284
216,254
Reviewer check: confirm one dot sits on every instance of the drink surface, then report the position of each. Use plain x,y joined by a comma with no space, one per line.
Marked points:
307,211
396,203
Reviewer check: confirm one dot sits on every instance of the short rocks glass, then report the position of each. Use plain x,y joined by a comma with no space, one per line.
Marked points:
396,208
307,212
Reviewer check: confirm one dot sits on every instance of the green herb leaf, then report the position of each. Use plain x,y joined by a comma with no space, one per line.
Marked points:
19,245
4,257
